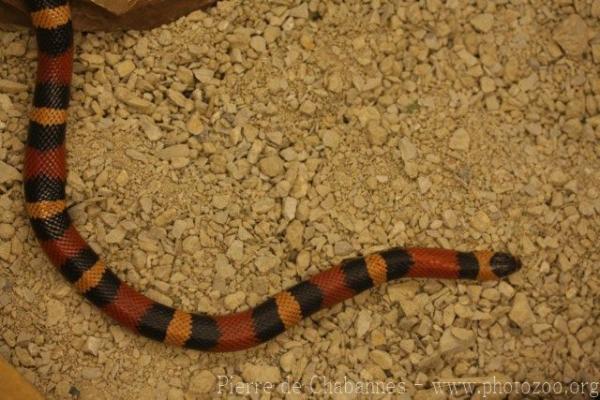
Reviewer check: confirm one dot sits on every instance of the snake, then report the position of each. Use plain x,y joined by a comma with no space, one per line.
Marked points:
44,181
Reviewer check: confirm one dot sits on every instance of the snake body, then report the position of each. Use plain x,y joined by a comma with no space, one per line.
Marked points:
45,175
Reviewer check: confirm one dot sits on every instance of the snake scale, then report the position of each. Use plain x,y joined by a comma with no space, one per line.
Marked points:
45,175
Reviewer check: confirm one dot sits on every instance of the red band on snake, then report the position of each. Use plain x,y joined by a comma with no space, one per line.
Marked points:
45,176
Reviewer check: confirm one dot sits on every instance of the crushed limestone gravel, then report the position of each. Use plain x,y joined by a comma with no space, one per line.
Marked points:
224,157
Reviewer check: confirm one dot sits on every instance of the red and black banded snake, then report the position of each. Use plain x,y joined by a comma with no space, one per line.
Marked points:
45,175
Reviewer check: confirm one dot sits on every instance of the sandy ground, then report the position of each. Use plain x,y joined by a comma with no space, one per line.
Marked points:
229,155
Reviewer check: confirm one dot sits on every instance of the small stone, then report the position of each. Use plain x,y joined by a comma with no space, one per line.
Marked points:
558,177
363,323
330,138
175,151
408,345
307,41
63,389
300,11
506,289
382,358
528,246
303,260
236,250
424,184
6,104
234,300
275,137
271,166
264,205
91,373
492,103
115,235
141,47
429,394
175,394
596,51
6,231
481,221
308,107
221,201
469,59
409,307
179,99
137,103
55,312
288,361
342,248
191,244
204,75
294,234
154,295
534,128
24,357
112,59
124,68
449,343
560,323
487,85
407,149
166,217
460,140
165,37
254,152
258,43
483,22
464,335
266,263
335,83
92,345
585,208
122,179
572,35
573,127
9,173
7,86
261,374
377,134
366,114
595,10
223,267
403,290
271,33
290,205
450,218
194,125
496,332
585,334
18,49
5,251
153,132
93,59
202,382
521,312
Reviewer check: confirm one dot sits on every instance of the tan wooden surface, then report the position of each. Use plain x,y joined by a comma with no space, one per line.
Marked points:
13,386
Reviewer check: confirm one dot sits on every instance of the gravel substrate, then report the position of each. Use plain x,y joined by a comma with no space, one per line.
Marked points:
220,159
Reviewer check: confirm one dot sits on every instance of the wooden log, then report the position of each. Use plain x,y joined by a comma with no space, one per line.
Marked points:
111,15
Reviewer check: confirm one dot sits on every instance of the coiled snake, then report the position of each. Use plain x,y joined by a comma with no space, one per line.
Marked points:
45,179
